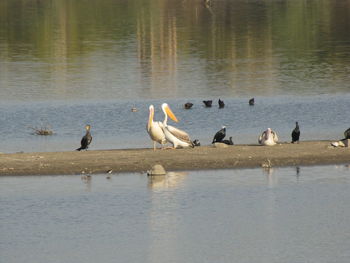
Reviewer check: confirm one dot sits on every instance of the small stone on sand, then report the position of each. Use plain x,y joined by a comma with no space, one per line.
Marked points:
157,169
220,145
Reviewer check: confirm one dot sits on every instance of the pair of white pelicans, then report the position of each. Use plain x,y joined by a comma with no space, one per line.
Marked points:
161,132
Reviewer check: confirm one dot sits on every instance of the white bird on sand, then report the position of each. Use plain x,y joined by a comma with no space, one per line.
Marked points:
268,138
155,129
178,138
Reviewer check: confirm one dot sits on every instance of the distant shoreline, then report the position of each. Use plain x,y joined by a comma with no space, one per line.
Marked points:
198,158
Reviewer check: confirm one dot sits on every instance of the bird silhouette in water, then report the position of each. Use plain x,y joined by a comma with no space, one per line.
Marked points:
207,103
347,134
221,104
220,135
251,102
188,105
86,140
228,142
296,133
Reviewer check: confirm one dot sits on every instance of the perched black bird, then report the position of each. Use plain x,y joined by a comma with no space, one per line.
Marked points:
296,133
86,140
207,103
221,104
251,102
196,142
188,105
220,135
228,142
347,134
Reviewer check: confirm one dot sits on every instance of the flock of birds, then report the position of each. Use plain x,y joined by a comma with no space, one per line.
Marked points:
163,133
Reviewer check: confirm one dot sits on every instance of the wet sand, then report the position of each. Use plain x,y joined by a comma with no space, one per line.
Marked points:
199,158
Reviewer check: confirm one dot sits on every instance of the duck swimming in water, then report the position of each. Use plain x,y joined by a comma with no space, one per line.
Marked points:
188,105
86,140
251,102
296,133
207,103
268,138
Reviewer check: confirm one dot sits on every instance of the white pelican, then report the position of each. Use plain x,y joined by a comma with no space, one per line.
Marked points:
177,137
268,137
155,129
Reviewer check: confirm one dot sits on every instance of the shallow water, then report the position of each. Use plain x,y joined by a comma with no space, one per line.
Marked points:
251,215
114,125
69,63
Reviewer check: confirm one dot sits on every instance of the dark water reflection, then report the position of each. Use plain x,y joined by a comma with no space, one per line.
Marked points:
172,49
246,215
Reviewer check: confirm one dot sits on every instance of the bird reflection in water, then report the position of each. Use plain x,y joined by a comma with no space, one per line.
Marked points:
170,180
86,179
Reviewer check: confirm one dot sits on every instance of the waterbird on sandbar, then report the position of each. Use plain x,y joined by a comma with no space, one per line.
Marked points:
221,104
296,133
251,102
228,142
155,129
268,138
196,142
188,105
347,134
86,140
220,135
207,103
178,138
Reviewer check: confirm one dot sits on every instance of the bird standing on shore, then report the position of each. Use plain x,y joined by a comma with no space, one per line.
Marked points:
268,138
154,129
86,140
221,104
220,135
347,134
228,142
178,138
296,133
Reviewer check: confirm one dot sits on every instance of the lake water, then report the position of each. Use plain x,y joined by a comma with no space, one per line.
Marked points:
251,215
68,63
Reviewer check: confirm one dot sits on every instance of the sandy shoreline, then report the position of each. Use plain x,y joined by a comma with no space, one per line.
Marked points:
199,158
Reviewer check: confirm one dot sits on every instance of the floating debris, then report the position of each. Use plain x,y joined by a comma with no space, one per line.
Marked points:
46,130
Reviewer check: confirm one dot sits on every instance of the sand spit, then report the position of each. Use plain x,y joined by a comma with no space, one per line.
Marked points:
199,158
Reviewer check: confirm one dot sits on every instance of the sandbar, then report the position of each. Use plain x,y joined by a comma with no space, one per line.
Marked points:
198,158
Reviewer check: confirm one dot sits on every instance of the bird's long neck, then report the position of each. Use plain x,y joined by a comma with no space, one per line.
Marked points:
165,122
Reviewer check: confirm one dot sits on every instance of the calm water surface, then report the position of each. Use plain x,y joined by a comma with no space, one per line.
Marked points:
285,215
68,63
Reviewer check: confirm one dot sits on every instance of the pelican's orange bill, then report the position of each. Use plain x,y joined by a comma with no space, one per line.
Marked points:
170,113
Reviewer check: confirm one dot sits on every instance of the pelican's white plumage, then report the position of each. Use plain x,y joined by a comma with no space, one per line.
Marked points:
155,129
178,138
268,138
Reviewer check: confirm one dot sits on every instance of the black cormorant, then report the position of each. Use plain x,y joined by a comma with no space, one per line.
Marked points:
251,101
86,140
296,133
228,142
221,104
207,103
220,135
347,134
